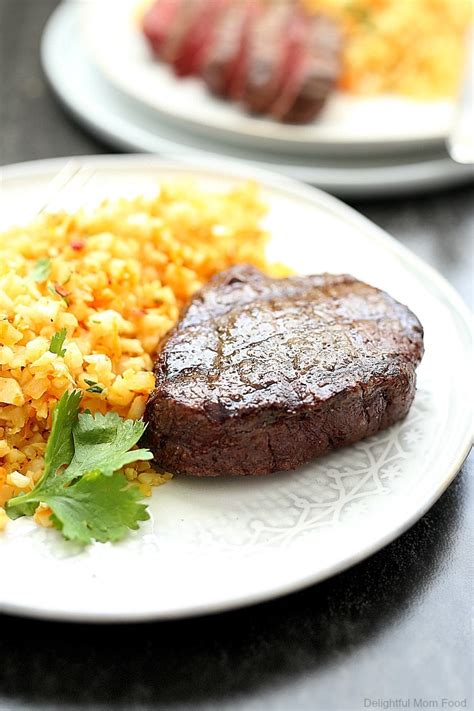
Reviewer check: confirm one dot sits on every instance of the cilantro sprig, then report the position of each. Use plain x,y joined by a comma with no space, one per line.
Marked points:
89,497
57,341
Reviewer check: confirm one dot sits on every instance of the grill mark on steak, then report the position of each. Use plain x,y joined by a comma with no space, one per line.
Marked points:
263,374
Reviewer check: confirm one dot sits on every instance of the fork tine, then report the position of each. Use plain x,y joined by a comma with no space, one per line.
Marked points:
59,182
72,177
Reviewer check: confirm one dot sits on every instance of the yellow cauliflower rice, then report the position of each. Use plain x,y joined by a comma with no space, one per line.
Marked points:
412,47
115,278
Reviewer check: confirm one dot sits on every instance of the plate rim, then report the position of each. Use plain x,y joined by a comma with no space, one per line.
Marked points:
320,199
255,130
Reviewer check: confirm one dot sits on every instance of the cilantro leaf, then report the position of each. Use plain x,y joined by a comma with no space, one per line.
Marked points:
94,387
89,498
21,505
102,442
361,14
41,270
59,452
97,507
56,345
60,447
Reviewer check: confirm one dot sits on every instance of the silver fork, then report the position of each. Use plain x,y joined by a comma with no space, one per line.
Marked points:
72,177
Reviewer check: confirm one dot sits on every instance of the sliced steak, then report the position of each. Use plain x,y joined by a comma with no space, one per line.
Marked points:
270,56
265,374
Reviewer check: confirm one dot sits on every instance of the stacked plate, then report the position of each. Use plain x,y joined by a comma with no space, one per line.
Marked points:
358,147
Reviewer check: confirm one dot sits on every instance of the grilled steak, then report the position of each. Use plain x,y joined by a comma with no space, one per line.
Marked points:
265,374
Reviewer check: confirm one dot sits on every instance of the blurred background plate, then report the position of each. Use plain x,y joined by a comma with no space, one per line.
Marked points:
129,126
348,125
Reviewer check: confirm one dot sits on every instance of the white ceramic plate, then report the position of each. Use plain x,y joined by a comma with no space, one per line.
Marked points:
126,125
218,544
348,123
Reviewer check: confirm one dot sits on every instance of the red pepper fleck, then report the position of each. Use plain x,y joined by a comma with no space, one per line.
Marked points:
77,244
60,290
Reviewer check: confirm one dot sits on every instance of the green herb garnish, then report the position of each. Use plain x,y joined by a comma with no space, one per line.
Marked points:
41,270
56,345
94,387
104,442
361,15
89,497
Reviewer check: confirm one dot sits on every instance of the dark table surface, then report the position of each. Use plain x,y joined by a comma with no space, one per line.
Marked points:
393,630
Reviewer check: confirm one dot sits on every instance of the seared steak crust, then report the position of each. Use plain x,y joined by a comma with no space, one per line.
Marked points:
265,374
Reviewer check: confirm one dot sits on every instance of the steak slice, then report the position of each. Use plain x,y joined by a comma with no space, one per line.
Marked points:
296,61
265,374
225,56
267,56
183,20
158,22
198,38
320,72
315,67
